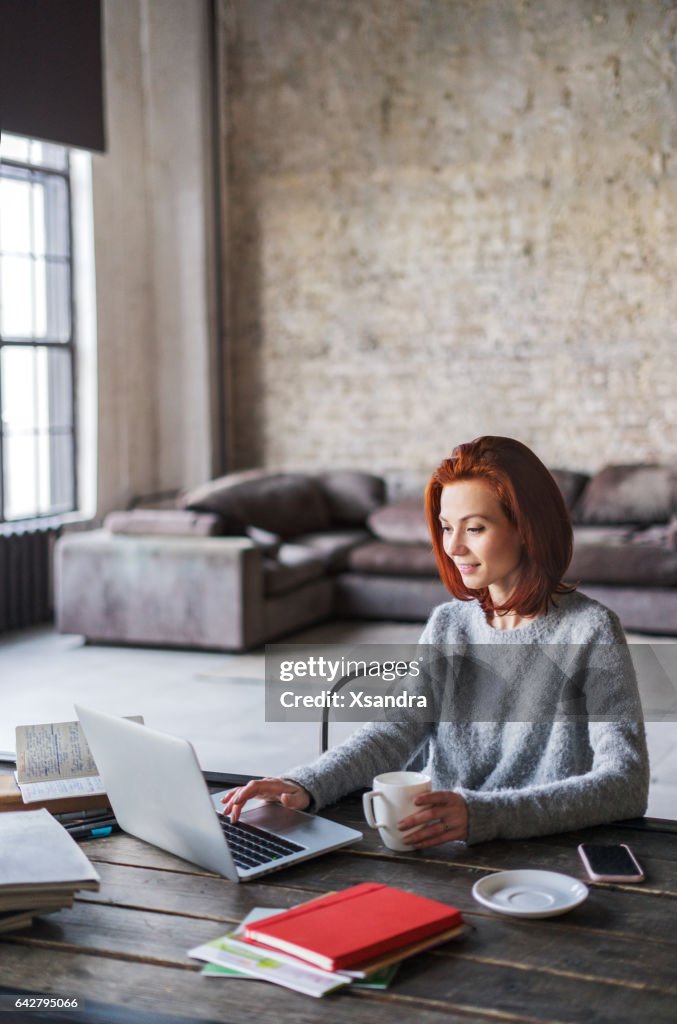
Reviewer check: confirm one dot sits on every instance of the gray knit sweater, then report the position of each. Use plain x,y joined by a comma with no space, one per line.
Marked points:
519,778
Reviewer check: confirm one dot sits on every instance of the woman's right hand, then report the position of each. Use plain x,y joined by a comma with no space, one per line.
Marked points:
280,791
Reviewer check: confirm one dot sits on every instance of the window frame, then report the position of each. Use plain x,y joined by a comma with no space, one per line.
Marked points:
35,344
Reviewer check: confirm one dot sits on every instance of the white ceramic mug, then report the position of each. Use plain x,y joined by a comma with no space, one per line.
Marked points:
392,799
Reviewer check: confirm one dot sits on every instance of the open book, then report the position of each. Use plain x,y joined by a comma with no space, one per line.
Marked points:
55,769
53,761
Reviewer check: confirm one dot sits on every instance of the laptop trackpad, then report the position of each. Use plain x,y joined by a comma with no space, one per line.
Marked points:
309,830
281,819
268,815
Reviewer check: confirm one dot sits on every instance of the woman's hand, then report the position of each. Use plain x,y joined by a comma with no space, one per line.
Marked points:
443,818
281,791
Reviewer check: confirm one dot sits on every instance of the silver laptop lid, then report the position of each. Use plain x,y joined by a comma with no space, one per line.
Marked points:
156,789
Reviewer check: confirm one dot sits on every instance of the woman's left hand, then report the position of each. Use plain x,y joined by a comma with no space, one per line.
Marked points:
443,818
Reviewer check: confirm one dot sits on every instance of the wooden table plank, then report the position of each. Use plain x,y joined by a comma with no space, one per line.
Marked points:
211,898
187,994
558,849
488,984
500,852
541,853
619,909
122,934
558,945
121,848
461,983
613,911
624,913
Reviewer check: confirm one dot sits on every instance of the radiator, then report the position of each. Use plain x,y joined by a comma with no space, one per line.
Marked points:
26,575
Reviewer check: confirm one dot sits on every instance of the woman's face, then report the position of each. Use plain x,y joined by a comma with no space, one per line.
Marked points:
479,539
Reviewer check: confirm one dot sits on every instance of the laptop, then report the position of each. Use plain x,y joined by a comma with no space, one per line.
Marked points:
158,793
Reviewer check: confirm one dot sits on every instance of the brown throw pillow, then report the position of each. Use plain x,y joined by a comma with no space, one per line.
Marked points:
283,503
641,494
401,523
351,495
570,484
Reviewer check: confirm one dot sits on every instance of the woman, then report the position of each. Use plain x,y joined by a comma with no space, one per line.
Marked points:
502,540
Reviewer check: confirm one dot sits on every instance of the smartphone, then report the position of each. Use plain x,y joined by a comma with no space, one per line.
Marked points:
610,863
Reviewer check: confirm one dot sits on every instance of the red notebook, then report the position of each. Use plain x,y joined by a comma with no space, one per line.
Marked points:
353,926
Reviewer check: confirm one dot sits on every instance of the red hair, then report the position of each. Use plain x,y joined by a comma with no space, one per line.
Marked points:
531,501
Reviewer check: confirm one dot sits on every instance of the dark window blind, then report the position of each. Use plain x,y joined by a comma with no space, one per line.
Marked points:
51,71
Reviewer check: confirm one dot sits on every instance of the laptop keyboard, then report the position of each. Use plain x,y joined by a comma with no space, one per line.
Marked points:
250,846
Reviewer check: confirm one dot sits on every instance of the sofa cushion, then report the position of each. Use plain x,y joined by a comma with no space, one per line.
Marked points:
294,566
332,546
351,495
641,494
393,559
283,503
406,483
663,535
400,523
602,534
635,565
204,492
570,484
172,522
400,598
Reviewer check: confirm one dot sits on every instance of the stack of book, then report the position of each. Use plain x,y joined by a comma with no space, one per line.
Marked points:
41,867
358,936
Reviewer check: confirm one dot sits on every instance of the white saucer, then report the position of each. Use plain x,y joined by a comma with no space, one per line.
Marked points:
529,893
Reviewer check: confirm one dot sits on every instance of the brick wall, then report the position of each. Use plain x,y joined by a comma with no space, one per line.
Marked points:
448,218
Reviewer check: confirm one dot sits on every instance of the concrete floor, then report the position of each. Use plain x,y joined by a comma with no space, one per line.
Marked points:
217,700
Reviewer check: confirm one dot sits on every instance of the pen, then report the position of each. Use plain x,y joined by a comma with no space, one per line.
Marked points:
77,817
94,831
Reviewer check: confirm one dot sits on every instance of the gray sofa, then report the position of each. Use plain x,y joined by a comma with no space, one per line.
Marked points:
625,551
246,559
256,555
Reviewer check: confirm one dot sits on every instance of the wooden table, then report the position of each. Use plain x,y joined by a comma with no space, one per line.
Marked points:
123,950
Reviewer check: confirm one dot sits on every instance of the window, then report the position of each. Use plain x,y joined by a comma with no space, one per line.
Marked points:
37,423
